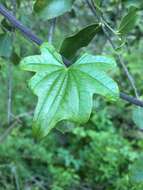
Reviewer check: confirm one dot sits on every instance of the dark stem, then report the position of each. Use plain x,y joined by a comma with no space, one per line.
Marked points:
29,34
131,99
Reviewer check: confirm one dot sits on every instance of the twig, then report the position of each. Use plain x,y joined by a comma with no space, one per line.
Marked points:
20,116
29,34
92,7
14,6
9,101
13,123
51,30
10,72
14,172
131,99
7,132
131,79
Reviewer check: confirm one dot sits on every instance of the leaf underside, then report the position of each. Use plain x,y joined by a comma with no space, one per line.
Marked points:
66,93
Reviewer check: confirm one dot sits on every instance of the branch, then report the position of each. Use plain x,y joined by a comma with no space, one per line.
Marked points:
7,132
29,34
18,25
24,30
131,99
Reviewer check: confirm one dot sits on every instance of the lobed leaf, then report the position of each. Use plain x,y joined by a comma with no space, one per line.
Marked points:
66,93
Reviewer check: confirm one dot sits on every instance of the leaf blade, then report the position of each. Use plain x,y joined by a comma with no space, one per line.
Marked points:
128,21
81,39
66,93
48,9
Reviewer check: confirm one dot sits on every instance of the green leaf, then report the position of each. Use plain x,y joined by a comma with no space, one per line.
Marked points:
48,9
97,3
81,39
5,45
66,93
137,116
6,25
135,3
128,21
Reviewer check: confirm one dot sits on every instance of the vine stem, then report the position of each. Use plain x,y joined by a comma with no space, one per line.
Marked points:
29,34
51,30
102,20
10,71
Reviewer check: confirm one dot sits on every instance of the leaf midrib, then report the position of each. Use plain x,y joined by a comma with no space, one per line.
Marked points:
48,92
61,86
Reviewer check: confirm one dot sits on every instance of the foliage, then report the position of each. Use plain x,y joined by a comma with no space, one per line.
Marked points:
106,152
56,164
63,91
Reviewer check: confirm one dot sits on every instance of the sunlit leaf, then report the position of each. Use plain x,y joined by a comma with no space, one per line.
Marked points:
66,93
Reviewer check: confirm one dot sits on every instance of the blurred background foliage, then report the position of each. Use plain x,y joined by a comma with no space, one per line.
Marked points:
104,154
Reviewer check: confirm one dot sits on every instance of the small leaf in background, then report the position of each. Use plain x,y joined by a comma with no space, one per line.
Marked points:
137,116
81,39
5,45
128,21
48,9
97,3
66,93
135,3
3,1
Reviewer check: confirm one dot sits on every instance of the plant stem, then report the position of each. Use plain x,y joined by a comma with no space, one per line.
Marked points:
51,30
10,71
